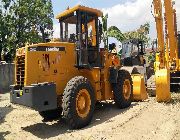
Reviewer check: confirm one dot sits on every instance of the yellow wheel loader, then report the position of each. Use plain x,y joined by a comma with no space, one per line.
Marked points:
72,74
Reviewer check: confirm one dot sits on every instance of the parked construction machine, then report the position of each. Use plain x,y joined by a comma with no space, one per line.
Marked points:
132,56
167,65
74,73
133,51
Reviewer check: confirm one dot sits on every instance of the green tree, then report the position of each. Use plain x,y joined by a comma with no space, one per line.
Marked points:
113,31
5,25
141,33
24,21
33,20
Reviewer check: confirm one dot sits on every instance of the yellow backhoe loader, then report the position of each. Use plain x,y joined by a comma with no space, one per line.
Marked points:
167,65
72,74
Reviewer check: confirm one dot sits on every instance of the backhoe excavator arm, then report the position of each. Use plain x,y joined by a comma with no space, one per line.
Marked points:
171,24
160,33
162,70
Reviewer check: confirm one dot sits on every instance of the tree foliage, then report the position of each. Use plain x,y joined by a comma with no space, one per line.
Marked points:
141,33
24,21
113,31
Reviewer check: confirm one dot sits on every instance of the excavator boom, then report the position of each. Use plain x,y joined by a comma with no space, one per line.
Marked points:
170,17
162,73
160,32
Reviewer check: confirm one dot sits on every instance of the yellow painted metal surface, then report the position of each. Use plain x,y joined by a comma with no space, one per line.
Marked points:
139,88
168,58
79,7
58,67
163,85
160,31
171,31
50,66
93,76
168,61
55,66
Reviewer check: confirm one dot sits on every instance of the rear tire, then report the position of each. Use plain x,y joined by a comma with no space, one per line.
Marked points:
123,89
78,102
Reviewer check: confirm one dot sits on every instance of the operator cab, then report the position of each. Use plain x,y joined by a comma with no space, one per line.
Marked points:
80,25
133,52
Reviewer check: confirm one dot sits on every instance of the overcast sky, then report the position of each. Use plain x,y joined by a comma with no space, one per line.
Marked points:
127,15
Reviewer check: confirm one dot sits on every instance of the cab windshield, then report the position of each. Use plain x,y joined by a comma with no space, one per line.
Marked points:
127,49
69,28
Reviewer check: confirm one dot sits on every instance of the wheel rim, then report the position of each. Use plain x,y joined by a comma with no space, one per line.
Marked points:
83,103
127,89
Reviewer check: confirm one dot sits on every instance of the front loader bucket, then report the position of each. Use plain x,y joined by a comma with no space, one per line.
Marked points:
139,88
163,85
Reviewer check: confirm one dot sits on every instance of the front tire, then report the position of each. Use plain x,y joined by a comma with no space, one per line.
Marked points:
123,89
78,102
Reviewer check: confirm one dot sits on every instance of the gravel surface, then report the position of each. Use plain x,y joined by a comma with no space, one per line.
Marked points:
143,120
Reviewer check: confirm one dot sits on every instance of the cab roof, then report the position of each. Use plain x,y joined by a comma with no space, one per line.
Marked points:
81,8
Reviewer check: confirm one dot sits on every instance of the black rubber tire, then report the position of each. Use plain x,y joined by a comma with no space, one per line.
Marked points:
69,102
51,114
119,99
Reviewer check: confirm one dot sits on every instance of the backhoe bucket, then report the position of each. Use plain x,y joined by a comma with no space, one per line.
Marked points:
163,85
139,88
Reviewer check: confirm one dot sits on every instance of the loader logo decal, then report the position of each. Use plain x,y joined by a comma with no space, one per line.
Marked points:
52,49
46,49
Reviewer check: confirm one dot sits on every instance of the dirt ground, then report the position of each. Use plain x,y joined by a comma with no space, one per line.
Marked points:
143,120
